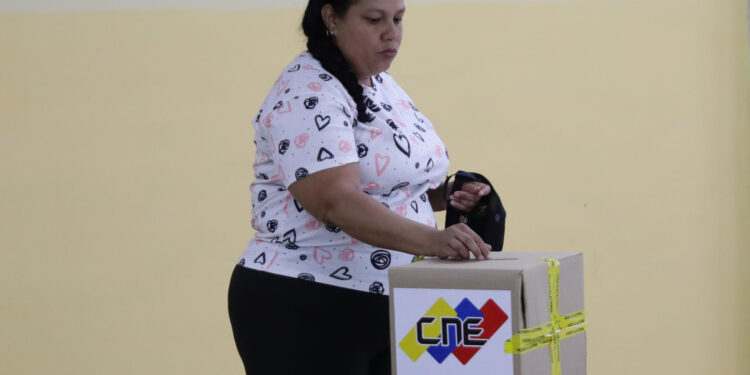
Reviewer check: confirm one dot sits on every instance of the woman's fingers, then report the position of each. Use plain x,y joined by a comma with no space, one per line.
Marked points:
459,251
469,242
484,189
463,205
479,248
459,242
469,195
478,188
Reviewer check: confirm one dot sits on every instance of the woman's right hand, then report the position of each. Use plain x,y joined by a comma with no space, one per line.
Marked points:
457,242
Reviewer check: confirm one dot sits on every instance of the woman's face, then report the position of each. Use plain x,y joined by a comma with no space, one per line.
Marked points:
368,35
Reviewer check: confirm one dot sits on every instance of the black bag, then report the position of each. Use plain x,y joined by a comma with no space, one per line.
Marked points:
487,218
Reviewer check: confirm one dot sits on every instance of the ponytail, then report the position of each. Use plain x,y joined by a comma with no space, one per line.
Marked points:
322,47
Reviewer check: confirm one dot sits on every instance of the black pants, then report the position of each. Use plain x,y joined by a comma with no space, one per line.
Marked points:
288,326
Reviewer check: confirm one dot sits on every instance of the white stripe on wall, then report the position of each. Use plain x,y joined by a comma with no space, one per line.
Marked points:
71,6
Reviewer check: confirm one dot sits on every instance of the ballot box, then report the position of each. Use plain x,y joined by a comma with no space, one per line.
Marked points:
518,313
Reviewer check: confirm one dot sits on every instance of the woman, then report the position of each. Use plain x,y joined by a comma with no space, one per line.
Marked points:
348,176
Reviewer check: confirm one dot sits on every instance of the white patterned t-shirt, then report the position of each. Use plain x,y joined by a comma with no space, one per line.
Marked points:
308,124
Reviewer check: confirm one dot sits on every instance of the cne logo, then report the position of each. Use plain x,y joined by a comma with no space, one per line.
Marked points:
461,331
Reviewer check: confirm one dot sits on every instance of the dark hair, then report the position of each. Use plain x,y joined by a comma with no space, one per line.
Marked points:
323,48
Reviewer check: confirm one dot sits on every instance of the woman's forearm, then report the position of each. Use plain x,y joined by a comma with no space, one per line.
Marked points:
334,196
365,219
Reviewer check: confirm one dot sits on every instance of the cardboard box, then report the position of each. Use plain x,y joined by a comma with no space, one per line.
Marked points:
481,304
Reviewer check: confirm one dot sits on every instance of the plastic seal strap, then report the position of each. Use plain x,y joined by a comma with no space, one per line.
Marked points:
558,328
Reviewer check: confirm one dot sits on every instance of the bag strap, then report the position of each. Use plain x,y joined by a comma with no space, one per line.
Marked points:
445,186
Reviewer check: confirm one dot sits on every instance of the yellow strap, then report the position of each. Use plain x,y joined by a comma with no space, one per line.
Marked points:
530,338
558,328
554,355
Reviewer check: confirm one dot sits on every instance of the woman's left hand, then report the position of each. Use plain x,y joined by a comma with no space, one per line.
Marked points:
469,195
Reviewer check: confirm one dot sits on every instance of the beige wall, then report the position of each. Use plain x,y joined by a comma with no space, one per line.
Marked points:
616,128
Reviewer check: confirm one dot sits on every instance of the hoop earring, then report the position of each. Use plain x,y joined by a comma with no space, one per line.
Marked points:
328,33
